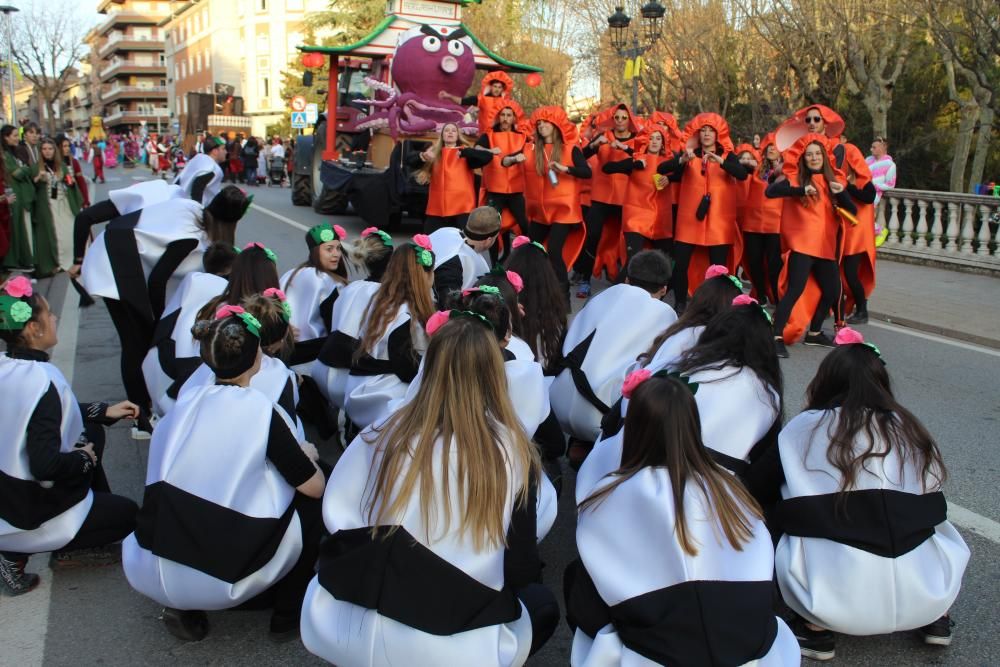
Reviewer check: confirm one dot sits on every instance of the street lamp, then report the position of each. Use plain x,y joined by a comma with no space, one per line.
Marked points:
7,11
619,25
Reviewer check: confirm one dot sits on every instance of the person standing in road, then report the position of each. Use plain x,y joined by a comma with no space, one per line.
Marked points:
883,178
249,154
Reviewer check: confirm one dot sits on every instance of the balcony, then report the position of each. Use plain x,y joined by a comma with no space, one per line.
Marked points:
126,19
125,43
158,114
133,93
129,66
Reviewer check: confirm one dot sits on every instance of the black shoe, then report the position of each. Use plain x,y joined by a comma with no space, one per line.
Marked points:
819,340
283,628
96,557
14,580
780,349
191,626
859,316
813,644
938,633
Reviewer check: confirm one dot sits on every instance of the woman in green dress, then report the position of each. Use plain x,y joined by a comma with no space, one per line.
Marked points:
68,202
46,174
17,177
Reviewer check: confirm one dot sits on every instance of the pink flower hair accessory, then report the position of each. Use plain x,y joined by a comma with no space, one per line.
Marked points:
520,241
18,287
514,278
745,300
253,244
274,291
437,320
341,232
368,231
848,336
228,310
716,270
633,380
423,241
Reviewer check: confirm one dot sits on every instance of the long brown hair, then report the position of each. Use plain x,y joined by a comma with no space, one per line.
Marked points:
541,164
252,273
854,379
464,399
663,430
339,274
805,175
57,166
423,175
405,281
543,326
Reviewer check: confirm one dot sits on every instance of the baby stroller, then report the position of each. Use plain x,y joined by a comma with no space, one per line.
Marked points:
275,171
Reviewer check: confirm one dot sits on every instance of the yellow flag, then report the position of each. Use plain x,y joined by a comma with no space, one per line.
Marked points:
637,67
629,69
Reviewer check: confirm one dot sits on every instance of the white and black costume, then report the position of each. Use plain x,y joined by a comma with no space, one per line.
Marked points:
220,519
201,179
879,558
456,265
640,600
418,600
602,341
51,495
311,293
175,354
382,375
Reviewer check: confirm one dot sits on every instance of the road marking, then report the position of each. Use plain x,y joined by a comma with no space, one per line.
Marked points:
24,617
278,216
935,338
977,523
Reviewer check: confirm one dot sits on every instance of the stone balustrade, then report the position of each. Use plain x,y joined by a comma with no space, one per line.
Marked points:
942,227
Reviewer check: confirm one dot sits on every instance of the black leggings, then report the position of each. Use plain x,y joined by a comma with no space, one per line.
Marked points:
634,243
111,519
852,267
717,254
543,611
556,235
827,274
102,211
135,336
513,202
758,249
432,223
596,215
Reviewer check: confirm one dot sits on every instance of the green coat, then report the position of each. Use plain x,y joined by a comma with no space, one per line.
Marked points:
18,178
42,228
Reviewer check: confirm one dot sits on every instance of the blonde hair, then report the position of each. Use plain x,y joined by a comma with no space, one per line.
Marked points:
405,281
557,148
423,175
463,399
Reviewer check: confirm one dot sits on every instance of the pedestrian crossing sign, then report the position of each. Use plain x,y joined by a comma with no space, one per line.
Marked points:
299,120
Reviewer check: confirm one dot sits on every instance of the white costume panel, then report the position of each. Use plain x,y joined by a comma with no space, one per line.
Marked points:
520,349
629,547
193,451
24,384
674,347
448,242
197,289
845,588
157,227
623,321
348,313
347,634
305,293
198,165
147,193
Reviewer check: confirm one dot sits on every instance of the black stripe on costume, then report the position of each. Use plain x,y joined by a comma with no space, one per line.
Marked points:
185,368
574,363
690,623
730,463
126,265
172,257
883,522
326,308
26,504
305,351
338,350
221,542
401,579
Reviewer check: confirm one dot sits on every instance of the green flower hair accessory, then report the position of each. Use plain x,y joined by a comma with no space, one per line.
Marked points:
286,308
735,281
874,348
270,254
472,316
490,289
324,232
13,313
326,235
237,249
369,231
249,321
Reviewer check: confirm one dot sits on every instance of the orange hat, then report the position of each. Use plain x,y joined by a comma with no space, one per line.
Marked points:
834,123
557,116
494,110
667,122
747,148
606,119
714,121
790,168
765,142
498,76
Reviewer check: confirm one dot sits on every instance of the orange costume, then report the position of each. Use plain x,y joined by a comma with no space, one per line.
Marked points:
452,189
648,200
490,106
507,182
859,239
761,215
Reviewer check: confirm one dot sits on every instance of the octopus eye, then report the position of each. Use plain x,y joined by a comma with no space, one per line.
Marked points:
455,47
432,44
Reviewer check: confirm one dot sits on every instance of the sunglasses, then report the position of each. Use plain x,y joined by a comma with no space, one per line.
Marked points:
813,119
621,117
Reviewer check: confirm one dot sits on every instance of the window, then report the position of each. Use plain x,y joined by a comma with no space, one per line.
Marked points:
197,62
163,60
183,71
263,64
208,59
177,71
265,91
197,23
263,43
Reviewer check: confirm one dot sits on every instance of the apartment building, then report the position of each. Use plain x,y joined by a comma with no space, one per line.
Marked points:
129,68
75,103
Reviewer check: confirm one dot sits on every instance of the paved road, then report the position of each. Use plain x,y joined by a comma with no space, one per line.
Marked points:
93,617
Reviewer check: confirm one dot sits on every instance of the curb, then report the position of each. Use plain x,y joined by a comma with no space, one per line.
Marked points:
946,332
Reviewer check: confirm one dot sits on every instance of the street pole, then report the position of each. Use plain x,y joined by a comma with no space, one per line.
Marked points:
7,11
636,52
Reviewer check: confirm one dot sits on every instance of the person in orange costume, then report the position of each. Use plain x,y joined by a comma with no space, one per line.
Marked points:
615,140
553,169
503,184
858,263
760,222
647,218
811,230
674,145
448,167
496,90
705,229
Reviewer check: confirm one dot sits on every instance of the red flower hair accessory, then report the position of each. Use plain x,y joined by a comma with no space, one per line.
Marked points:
437,320
18,287
745,300
514,278
716,270
423,241
633,380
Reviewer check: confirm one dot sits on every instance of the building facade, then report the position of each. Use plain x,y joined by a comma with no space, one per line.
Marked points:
129,67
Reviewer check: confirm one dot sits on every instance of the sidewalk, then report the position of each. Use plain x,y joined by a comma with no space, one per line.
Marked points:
955,304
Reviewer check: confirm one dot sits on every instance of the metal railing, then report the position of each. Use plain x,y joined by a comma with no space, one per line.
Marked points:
130,63
133,91
944,226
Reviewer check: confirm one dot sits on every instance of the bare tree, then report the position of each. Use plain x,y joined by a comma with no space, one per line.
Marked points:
48,40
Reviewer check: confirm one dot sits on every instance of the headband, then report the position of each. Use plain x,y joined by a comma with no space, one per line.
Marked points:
442,317
248,353
286,308
524,240
14,310
324,233
635,378
747,300
386,239
421,244
267,251
849,336
483,289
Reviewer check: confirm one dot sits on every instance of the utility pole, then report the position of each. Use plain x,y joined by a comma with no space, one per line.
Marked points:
7,11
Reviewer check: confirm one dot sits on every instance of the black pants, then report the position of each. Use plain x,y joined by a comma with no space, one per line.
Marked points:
717,254
852,267
513,202
556,235
758,249
432,223
136,335
827,274
596,215
250,174
634,243
543,610
102,211
111,519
